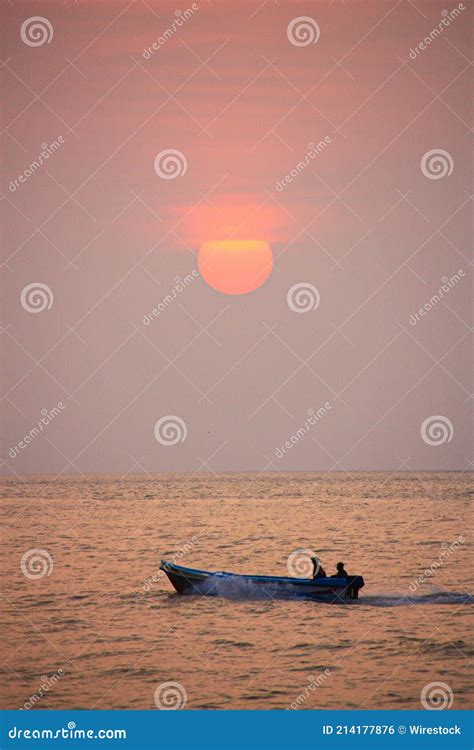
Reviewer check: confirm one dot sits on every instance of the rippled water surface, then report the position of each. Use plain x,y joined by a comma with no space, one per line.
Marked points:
113,625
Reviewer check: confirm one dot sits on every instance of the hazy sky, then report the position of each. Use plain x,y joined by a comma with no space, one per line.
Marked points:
370,222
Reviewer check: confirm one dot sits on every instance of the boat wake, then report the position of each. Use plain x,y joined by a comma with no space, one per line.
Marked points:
240,588
400,600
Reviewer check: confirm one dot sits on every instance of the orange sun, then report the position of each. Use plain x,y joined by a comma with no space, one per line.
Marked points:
235,266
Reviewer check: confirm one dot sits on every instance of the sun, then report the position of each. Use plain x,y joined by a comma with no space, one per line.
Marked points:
235,266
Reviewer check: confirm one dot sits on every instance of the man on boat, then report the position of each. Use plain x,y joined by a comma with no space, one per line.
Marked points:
318,570
340,572
352,581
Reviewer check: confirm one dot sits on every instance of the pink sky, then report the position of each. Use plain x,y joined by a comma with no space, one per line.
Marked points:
361,223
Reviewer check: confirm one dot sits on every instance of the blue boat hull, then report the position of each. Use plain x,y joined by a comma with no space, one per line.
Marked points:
205,583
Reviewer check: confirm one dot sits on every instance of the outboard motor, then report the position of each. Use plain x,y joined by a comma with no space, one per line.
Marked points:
354,584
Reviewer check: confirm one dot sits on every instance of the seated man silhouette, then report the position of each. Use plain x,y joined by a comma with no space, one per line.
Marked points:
352,588
318,570
341,572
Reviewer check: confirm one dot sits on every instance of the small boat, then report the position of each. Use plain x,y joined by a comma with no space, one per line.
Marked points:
234,585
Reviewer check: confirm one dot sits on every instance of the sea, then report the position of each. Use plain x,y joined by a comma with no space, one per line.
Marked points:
90,621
